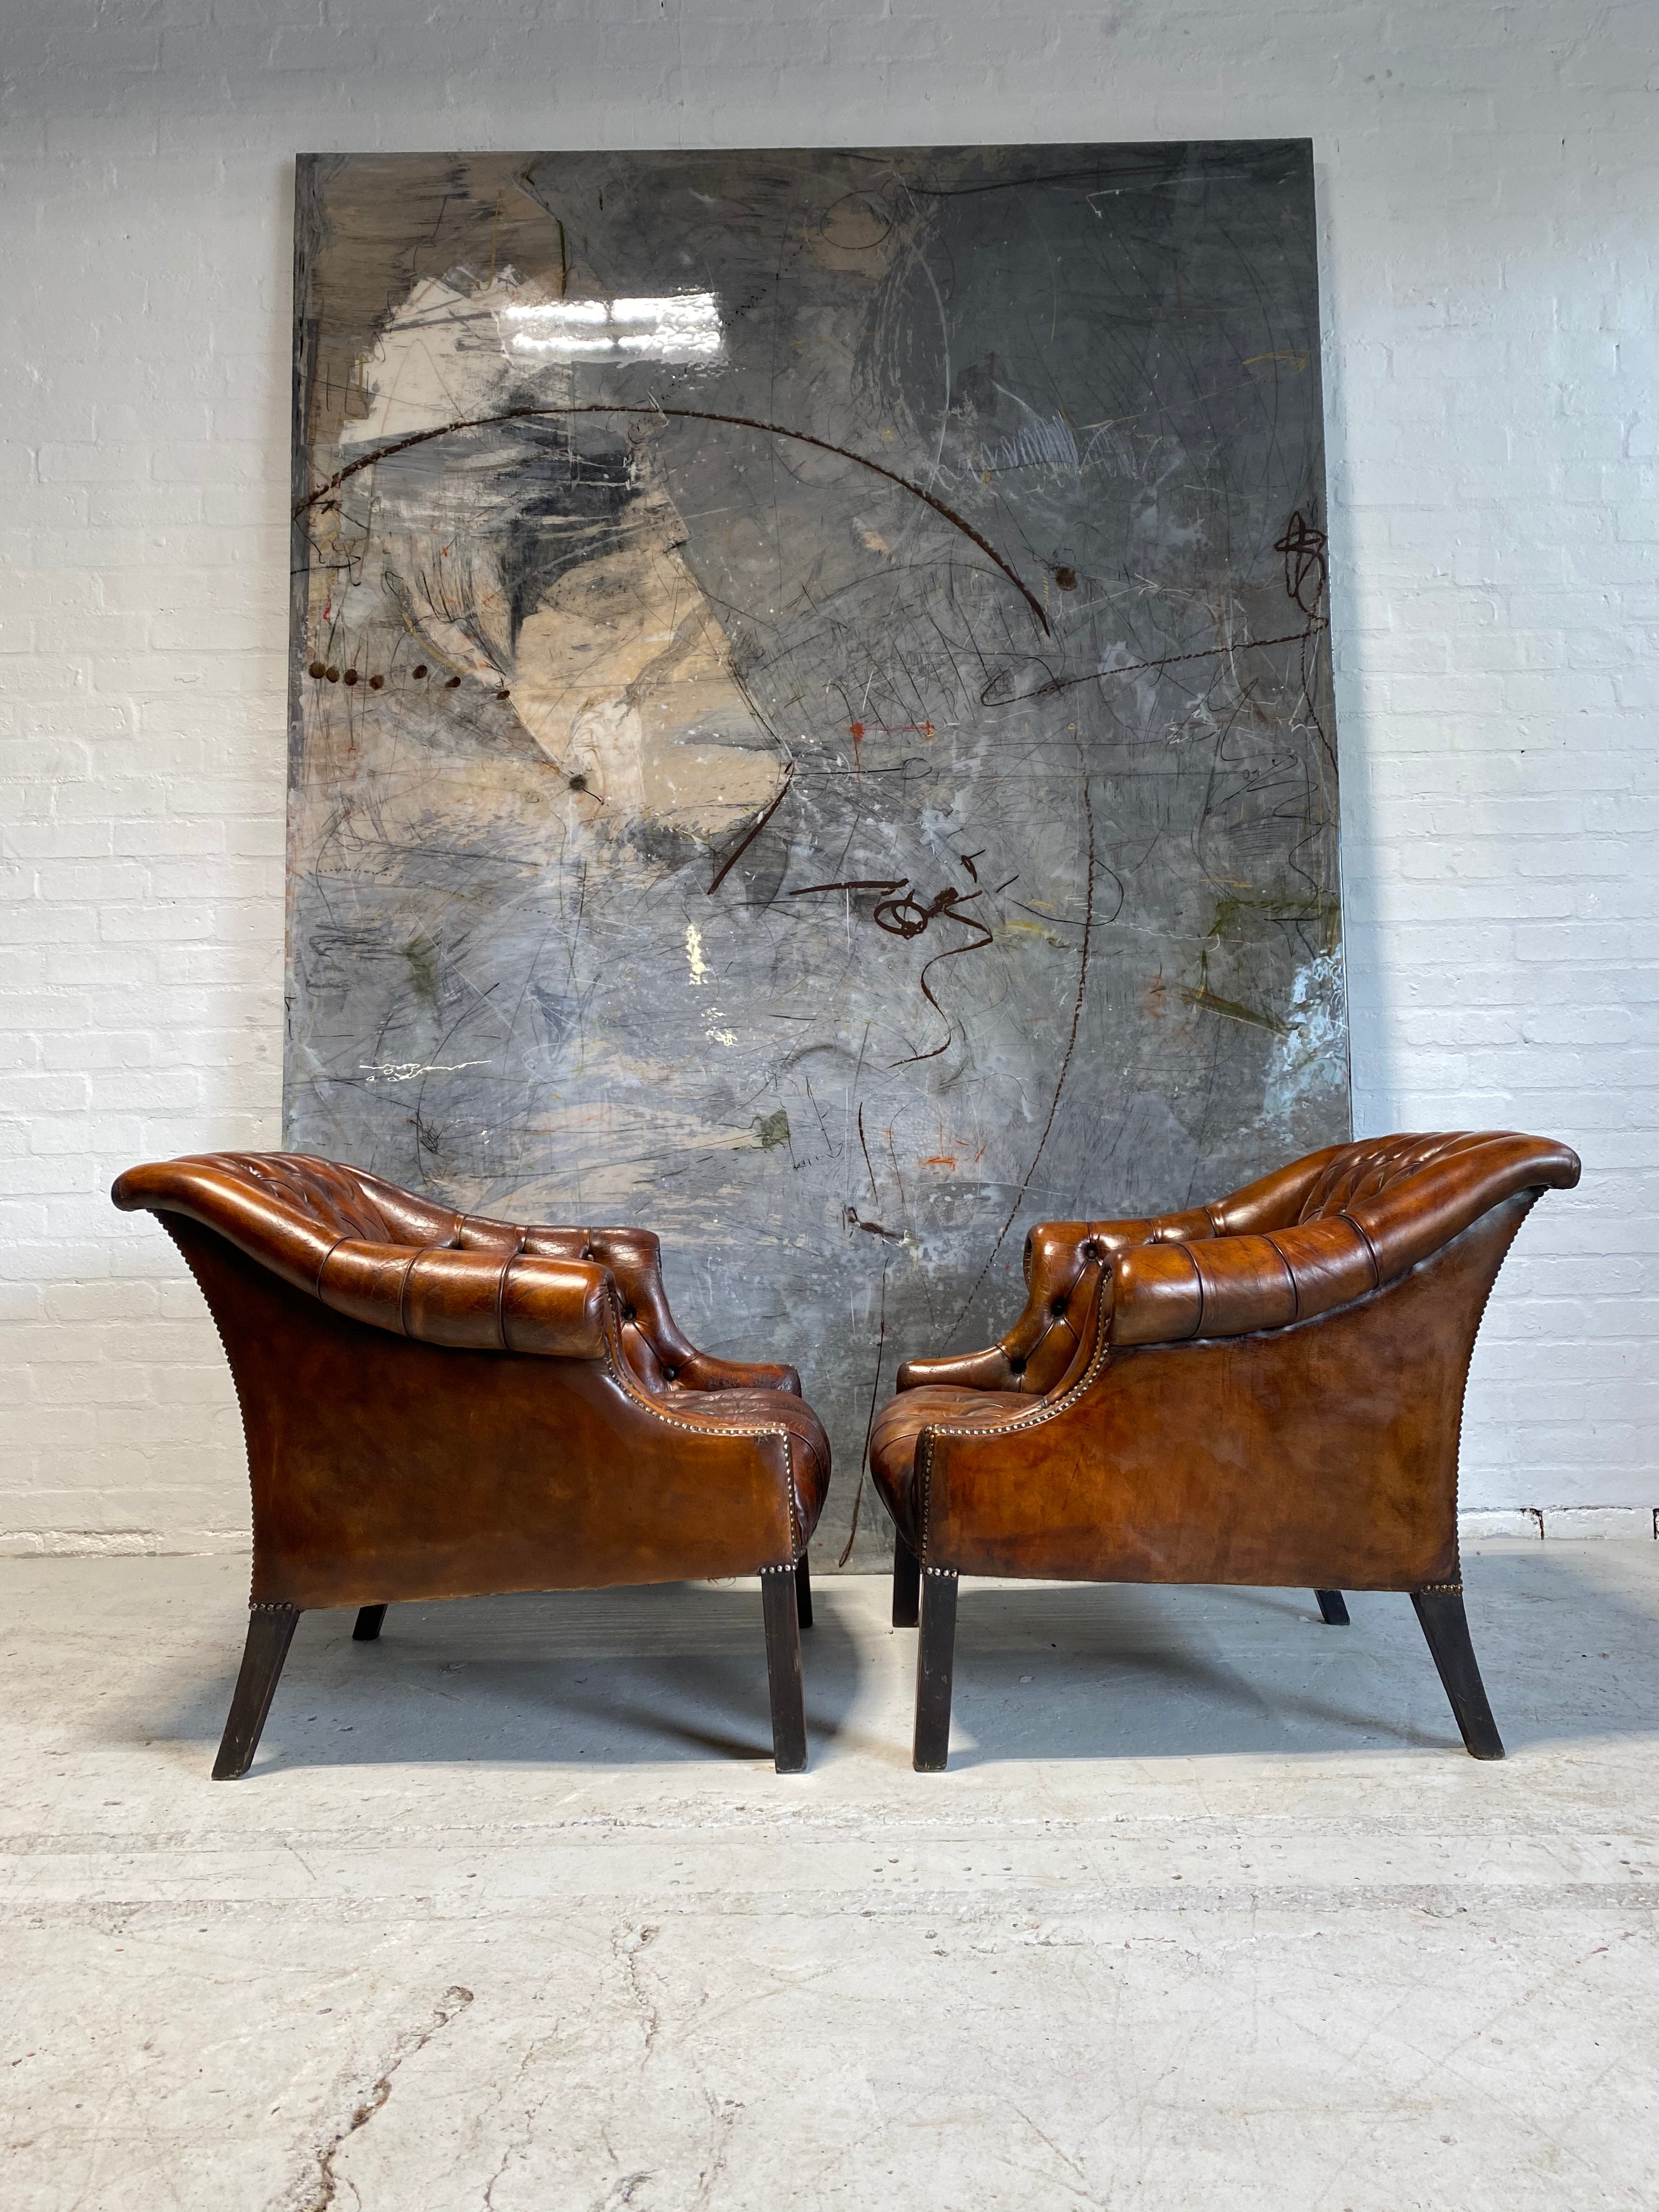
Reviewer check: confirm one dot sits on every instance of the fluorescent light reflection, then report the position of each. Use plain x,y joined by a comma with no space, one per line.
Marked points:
685,328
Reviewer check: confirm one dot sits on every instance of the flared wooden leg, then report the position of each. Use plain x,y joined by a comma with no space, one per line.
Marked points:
907,1583
1333,1608
935,1661
367,1628
779,1606
803,1592
1445,1626
270,1632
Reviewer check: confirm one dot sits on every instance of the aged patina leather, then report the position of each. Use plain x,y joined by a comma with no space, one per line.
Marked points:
1267,1390
440,1405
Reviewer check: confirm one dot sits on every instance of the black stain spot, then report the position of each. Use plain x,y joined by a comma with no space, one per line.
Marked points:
503,695
316,669
351,676
579,783
332,674
1067,579
375,682
454,685
419,672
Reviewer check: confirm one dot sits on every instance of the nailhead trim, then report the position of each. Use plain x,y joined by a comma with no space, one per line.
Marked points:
1447,1590
622,1375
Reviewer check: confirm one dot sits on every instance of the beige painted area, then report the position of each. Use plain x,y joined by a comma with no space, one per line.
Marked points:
624,677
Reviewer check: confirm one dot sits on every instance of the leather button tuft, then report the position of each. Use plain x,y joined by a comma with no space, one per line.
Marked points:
1059,1308
670,1374
627,1313
1016,1366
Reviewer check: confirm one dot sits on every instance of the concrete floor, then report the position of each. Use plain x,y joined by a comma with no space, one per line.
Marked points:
1210,1910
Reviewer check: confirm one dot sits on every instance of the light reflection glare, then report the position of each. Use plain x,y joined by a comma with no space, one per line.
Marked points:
684,327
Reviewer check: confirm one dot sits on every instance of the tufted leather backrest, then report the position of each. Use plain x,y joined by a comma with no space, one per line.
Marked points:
1331,1231
1375,1165
382,1255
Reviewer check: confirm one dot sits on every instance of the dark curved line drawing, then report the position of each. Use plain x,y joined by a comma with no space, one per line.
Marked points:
683,414
744,843
1071,1044
1139,667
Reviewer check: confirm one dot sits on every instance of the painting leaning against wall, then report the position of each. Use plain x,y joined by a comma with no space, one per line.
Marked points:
812,719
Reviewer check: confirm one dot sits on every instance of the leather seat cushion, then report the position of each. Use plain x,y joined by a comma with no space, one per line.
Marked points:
935,1405
770,1409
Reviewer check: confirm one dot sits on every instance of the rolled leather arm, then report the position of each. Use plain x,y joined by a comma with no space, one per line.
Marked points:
474,1301
1062,1262
1235,1285
989,1370
704,1371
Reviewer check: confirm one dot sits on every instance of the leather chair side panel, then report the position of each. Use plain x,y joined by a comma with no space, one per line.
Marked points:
1321,1455
385,1469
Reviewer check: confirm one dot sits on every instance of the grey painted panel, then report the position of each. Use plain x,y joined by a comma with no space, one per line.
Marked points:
812,710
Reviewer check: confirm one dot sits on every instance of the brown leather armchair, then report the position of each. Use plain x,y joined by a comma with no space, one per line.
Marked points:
438,1405
1265,1390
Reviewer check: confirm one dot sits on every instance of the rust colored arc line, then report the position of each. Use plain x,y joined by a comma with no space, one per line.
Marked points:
685,415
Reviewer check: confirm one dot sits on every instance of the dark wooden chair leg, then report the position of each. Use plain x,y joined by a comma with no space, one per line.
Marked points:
935,1660
367,1628
779,1606
803,1592
270,1632
1445,1626
907,1584
1333,1608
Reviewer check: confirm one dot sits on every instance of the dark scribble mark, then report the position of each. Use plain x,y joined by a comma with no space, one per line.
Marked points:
742,847
1305,570
869,1425
855,883
864,1148
904,915
686,415
985,937
1071,1041
850,1216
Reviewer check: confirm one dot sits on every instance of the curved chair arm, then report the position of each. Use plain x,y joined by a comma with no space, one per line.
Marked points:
657,1348
1240,1284
1063,1263
704,1371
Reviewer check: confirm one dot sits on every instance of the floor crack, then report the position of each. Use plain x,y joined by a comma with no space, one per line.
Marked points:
454,2000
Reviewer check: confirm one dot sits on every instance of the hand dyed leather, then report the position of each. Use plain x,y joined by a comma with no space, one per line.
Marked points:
1267,1390
439,1405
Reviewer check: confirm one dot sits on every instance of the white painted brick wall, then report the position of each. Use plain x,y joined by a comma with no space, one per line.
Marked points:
1489,182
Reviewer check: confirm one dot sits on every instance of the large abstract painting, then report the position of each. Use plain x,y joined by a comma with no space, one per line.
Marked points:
811,712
